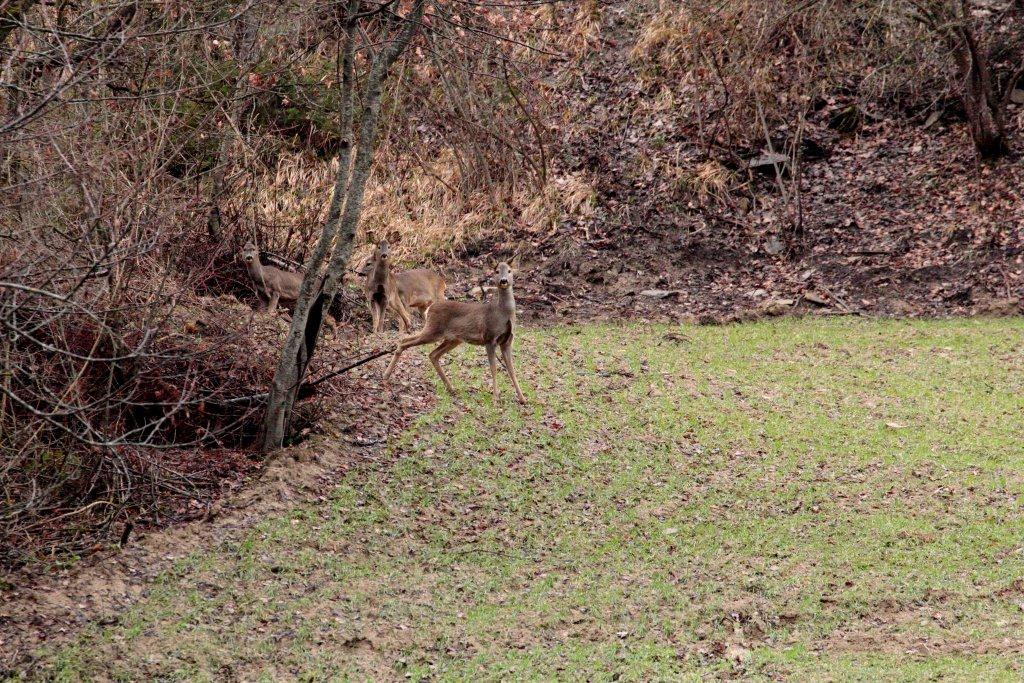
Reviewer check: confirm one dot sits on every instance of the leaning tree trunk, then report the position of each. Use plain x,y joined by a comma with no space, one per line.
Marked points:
984,110
293,357
364,158
342,217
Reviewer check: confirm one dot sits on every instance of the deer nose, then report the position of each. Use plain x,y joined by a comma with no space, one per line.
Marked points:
503,281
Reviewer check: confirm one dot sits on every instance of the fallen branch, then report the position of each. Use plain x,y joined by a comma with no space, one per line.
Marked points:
308,386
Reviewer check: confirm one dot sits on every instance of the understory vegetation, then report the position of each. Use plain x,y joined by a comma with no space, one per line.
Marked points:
759,69
768,86
141,145
820,499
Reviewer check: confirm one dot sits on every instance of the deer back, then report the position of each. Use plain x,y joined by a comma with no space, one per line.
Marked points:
470,322
420,287
270,280
287,283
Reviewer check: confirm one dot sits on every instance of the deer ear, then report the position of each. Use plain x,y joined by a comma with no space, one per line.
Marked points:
516,260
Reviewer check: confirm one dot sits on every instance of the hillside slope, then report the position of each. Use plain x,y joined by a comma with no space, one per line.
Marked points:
898,217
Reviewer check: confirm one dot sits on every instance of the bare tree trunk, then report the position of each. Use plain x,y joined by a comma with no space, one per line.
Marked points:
983,108
343,215
11,16
364,156
286,378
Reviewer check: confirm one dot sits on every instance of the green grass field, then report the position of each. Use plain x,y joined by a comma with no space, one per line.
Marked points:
797,499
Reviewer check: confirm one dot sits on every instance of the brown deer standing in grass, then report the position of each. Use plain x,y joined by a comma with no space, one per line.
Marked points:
272,284
489,324
398,292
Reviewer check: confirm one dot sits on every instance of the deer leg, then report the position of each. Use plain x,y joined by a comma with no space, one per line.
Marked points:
409,317
493,360
392,307
404,319
272,306
435,359
382,312
506,354
377,313
407,343
374,313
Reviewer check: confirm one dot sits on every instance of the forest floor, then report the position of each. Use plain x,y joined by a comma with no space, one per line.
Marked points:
898,222
815,499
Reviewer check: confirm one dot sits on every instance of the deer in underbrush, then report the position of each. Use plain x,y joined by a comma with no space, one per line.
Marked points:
272,284
489,324
398,292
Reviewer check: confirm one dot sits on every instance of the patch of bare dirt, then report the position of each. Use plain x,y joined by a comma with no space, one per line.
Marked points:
885,632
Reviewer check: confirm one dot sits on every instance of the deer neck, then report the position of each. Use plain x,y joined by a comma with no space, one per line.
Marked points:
505,301
255,269
381,273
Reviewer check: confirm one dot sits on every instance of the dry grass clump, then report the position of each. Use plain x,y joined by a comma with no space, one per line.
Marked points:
740,60
582,32
288,200
568,196
707,182
424,208
426,212
431,210
663,38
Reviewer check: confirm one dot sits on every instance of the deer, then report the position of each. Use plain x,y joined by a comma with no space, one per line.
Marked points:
272,284
398,292
489,324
